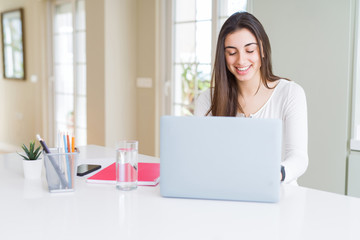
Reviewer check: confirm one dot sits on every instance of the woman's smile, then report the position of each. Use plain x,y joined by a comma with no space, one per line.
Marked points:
243,70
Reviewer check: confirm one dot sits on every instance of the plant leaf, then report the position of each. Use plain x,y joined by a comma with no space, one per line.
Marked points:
37,153
27,152
23,156
31,152
37,156
32,144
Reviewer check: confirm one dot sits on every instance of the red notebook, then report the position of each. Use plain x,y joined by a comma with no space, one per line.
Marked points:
148,174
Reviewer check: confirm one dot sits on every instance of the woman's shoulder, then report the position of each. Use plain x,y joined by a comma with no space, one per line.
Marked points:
289,87
204,97
289,93
203,103
205,92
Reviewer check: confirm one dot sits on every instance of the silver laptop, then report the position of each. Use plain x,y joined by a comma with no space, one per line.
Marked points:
225,158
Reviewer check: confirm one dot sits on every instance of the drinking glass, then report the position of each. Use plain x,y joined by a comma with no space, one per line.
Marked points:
127,165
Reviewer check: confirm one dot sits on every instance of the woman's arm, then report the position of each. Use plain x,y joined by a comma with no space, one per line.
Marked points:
202,103
295,159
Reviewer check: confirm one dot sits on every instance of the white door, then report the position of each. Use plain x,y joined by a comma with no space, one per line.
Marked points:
68,94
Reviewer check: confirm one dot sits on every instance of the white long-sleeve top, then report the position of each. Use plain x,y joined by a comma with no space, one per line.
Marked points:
288,103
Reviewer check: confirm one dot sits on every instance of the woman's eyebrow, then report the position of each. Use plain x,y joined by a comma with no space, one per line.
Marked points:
230,47
246,45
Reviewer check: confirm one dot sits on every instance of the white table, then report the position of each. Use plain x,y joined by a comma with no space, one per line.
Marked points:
97,211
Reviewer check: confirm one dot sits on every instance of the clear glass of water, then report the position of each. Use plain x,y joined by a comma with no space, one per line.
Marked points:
127,165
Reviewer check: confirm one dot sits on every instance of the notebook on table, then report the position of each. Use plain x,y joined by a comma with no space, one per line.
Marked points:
148,174
225,158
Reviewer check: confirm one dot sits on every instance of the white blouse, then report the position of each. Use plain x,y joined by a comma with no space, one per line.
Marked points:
288,103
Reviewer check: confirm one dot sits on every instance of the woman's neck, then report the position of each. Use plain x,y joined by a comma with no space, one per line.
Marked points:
249,88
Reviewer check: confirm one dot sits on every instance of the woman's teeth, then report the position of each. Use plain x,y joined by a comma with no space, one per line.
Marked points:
243,69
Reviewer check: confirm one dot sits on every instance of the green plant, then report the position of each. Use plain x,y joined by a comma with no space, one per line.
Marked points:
31,153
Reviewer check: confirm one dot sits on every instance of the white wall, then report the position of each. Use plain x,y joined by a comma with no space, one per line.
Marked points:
312,45
22,102
95,71
120,70
120,48
115,57
146,64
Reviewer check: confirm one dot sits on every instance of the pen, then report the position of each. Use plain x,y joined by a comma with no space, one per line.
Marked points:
43,144
73,144
72,162
68,142
56,167
67,150
65,144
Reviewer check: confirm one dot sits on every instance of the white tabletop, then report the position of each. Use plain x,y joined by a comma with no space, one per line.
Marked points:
98,211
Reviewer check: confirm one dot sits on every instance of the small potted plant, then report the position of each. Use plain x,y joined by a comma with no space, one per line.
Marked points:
31,162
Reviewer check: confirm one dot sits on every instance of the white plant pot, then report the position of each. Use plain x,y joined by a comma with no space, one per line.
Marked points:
33,168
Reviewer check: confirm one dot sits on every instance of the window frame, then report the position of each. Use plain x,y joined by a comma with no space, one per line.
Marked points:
355,120
52,131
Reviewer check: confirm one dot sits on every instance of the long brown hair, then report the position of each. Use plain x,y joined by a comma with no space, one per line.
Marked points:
224,92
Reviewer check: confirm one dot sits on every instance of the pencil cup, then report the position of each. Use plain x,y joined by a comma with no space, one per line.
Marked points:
60,170
127,165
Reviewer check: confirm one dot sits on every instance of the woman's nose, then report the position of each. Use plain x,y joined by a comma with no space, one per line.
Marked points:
241,60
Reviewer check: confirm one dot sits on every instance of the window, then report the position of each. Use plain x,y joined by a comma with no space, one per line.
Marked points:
355,143
69,69
195,25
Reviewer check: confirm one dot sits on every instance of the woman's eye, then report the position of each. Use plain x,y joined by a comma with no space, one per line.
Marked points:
232,53
250,51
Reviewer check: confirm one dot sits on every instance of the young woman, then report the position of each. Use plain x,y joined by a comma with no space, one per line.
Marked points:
243,85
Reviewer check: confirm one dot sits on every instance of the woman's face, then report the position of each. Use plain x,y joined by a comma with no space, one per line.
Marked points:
242,55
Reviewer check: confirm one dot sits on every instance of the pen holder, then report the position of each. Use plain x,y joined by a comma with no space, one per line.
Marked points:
60,170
